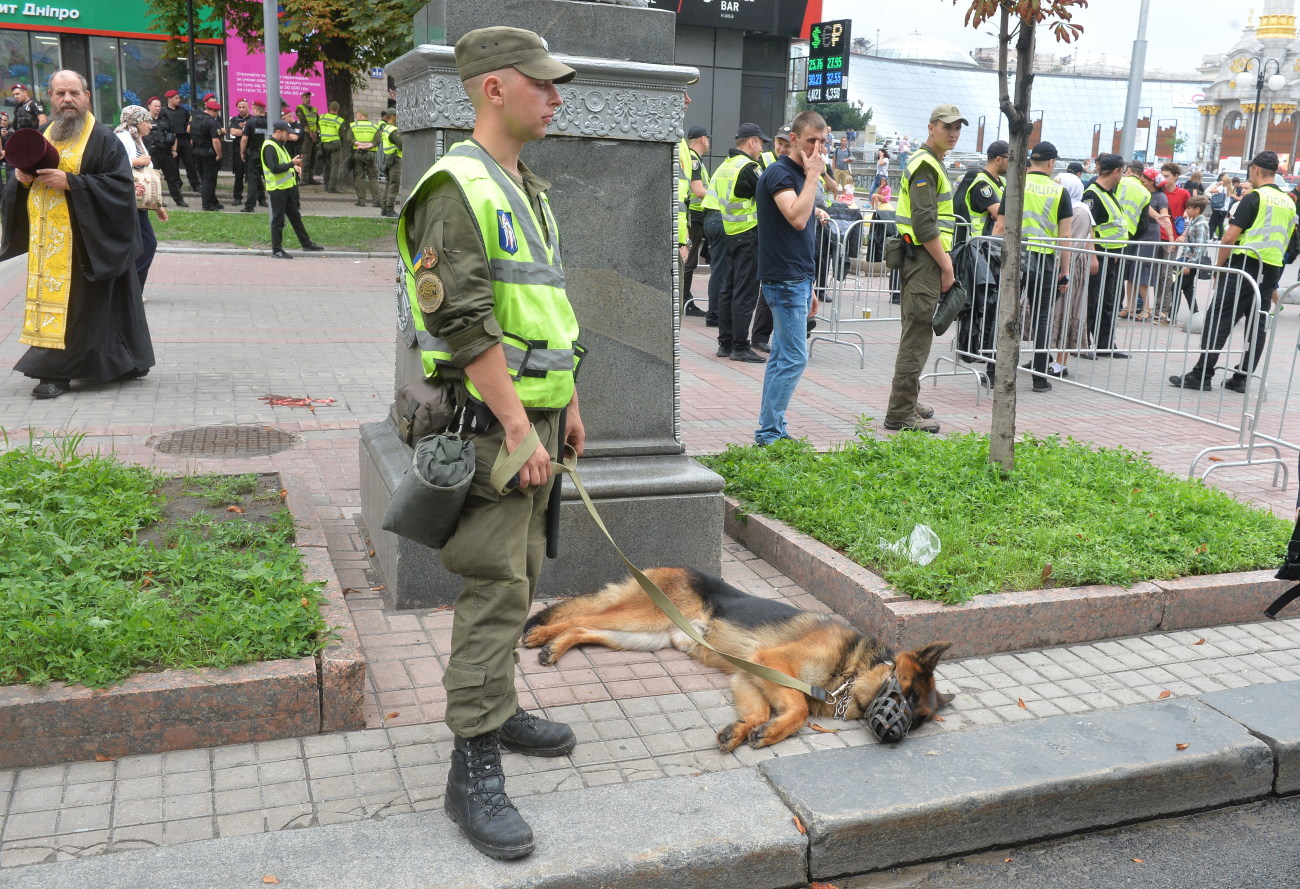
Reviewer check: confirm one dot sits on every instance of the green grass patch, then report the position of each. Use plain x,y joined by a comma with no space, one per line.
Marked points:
1070,515
253,230
100,578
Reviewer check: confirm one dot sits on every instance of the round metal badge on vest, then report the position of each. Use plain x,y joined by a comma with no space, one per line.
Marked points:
429,291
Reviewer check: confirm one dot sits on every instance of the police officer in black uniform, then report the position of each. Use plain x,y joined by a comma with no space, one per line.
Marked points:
178,119
230,142
206,131
251,149
29,114
161,144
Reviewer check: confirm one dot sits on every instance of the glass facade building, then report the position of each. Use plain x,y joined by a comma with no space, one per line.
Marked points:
1076,110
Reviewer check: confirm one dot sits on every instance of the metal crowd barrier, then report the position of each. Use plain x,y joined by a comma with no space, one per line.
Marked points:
1067,318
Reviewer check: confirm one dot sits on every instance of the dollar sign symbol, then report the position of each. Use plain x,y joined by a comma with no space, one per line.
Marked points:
816,38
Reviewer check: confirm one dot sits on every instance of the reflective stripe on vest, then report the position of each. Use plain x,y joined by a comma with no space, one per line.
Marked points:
738,215
943,188
387,145
1116,227
998,189
1132,197
1274,221
365,131
330,124
307,114
1038,218
683,165
277,181
766,159
540,330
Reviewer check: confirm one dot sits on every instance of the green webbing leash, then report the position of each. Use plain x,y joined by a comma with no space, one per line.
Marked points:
569,466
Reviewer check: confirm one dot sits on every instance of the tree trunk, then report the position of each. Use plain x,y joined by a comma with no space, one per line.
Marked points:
1002,437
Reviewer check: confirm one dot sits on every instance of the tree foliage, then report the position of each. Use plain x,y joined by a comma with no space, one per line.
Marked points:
839,115
347,37
1018,21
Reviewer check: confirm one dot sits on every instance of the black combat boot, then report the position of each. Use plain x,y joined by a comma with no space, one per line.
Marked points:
534,736
477,802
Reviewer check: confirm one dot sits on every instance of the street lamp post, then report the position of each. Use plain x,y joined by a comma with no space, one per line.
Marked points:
1275,83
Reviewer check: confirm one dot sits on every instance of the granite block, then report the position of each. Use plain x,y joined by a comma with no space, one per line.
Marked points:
1272,714
1217,599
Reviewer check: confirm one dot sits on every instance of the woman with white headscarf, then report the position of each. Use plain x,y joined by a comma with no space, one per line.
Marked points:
1070,314
136,124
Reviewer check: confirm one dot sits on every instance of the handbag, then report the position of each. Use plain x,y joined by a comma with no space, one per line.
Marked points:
951,304
426,505
148,189
422,408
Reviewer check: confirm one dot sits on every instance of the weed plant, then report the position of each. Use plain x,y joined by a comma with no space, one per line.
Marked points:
1070,515
83,601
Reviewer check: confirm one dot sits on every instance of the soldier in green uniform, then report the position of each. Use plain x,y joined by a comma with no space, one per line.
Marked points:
331,125
365,151
927,221
391,145
486,285
309,120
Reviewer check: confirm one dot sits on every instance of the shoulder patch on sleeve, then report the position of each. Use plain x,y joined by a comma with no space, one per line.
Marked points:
986,191
919,183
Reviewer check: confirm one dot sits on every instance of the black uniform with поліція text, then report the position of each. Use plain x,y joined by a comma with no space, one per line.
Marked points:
255,136
204,131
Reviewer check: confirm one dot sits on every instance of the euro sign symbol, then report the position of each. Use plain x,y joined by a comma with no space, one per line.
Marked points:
816,38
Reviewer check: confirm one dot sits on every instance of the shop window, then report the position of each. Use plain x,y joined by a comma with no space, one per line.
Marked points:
147,71
105,80
47,58
15,57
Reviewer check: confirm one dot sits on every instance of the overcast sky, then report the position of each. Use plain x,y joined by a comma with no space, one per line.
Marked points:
1179,32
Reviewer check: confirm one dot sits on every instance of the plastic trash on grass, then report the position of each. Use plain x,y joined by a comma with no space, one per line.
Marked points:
920,547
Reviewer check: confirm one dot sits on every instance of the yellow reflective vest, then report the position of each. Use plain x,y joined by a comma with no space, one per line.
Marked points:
739,215
1270,233
943,192
1133,198
365,131
539,329
277,181
387,145
330,124
683,189
1116,227
1038,219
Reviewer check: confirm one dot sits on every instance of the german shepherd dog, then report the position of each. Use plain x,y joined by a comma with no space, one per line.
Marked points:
821,649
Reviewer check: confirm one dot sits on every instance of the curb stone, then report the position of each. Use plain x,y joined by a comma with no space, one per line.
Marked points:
1272,714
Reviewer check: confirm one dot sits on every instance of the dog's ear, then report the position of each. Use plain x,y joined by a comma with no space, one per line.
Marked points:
928,657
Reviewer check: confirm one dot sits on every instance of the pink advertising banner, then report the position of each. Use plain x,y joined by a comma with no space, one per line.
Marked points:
246,76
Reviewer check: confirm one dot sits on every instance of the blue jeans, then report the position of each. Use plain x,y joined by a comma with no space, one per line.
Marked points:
789,302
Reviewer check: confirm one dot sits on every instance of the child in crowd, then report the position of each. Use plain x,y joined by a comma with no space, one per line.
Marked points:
1194,251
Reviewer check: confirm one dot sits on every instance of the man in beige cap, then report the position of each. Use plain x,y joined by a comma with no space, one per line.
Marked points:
486,287
926,222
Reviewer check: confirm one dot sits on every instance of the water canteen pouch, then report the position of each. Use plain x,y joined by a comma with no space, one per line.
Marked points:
422,408
951,304
426,505
894,253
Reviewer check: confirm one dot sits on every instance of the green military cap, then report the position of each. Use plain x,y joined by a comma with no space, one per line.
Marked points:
491,49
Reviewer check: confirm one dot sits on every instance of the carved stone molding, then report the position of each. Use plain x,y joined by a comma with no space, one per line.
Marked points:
607,100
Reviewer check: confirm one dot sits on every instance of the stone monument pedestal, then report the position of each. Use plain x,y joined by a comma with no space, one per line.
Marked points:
610,159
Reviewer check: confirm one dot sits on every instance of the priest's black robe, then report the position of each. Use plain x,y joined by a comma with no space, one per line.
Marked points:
106,336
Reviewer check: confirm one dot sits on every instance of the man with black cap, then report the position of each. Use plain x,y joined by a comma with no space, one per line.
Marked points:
206,133
485,282
250,149
1255,241
280,174
29,114
926,221
733,189
1046,204
978,201
178,121
1110,232
309,120
697,145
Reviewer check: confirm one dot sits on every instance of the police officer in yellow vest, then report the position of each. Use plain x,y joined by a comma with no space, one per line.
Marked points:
280,173
486,285
1110,224
927,222
696,182
1255,241
733,190
309,120
391,146
1046,204
331,144
365,151
978,200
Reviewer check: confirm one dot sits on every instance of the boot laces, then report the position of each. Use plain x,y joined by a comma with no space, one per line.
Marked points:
487,780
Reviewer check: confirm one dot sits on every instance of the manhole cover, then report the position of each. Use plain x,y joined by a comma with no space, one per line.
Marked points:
225,441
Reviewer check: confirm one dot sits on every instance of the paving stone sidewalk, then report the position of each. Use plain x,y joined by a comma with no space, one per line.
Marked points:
229,330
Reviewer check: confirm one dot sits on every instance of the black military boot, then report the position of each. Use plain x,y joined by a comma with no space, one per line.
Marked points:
534,736
477,802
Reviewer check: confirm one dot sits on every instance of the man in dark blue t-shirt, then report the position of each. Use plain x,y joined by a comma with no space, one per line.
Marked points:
787,263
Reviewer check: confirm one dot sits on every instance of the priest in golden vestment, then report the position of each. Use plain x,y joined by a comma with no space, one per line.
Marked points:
84,318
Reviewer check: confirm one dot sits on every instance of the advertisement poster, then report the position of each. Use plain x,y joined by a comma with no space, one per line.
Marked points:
246,76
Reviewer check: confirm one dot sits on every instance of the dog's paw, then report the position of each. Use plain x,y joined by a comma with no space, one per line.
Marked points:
546,657
756,737
533,637
731,737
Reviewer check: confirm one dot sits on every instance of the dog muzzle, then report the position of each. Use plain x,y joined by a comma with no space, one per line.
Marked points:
889,715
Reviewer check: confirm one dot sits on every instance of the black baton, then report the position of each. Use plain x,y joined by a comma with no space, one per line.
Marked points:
553,504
